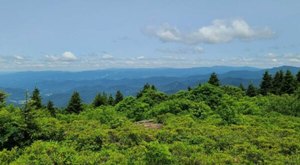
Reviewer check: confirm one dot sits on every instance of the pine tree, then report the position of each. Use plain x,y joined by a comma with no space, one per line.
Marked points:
214,79
118,97
289,83
75,105
277,83
251,90
298,76
110,100
36,98
50,108
100,99
266,84
241,86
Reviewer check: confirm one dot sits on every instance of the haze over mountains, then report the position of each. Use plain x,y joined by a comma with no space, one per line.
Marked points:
59,85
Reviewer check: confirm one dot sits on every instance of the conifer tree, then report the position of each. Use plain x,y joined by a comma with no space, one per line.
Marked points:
50,108
119,97
241,86
251,90
289,83
298,76
266,84
110,100
100,99
214,79
36,99
75,105
277,83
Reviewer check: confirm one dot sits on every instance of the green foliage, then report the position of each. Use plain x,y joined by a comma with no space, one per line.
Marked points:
213,80
100,99
75,105
208,93
266,84
36,99
2,99
204,125
118,97
251,90
51,109
289,83
278,83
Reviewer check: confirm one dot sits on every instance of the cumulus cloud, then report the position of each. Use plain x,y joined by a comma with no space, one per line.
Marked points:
220,31
65,57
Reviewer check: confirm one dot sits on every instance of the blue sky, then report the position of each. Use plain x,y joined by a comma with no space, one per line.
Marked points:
96,34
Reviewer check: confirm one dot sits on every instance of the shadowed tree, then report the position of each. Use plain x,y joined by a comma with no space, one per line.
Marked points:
289,83
214,79
277,83
298,76
110,100
75,105
50,108
100,99
251,90
36,99
266,84
119,97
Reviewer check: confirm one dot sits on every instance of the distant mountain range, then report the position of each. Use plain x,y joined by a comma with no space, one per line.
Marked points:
59,85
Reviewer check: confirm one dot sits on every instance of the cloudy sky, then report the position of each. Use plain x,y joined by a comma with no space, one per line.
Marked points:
96,34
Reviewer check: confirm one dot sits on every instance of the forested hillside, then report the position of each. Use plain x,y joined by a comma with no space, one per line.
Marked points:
209,123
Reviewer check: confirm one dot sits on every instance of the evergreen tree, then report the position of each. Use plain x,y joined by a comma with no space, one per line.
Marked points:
189,88
50,108
214,79
266,84
277,83
289,83
119,97
100,99
110,100
75,105
251,90
241,86
36,99
298,76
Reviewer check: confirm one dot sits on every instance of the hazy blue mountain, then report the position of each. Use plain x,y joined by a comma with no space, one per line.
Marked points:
58,86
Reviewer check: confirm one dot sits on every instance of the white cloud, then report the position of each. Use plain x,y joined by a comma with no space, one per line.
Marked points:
220,31
17,57
68,56
65,57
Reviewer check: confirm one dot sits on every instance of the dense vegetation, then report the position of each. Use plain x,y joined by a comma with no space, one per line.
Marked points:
207,124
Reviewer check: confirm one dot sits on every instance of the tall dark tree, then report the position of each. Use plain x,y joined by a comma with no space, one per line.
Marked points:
298,76
75,104
214,79
289,83
119,97
110,100
266,84
100,99
251,90
50,108
277,83
36,98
